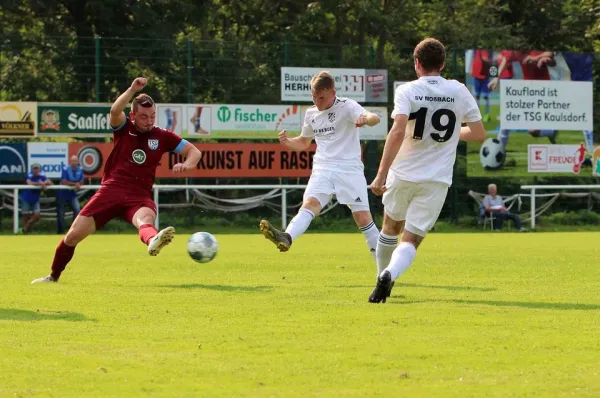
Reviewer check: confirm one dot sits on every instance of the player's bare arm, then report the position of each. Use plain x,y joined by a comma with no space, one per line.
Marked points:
390,150
367,118
494,82
192,157
117,114
295,144
473,132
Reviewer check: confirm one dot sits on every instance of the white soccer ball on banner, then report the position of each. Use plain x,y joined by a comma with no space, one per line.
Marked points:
492,154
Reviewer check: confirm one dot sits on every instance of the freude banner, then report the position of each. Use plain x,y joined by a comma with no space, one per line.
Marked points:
74,119
361,85
247,122
18,119
559,159
218,161
537,105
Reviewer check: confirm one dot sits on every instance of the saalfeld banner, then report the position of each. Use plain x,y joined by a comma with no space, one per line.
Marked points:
74,119
218,160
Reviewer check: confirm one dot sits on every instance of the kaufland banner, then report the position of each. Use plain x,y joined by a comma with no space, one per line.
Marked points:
361,85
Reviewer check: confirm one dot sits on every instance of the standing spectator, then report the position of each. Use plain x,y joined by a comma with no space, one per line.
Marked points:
30,198
73,177
494,205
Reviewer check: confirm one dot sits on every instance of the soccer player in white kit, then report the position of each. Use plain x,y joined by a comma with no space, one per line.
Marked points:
418,157
337,167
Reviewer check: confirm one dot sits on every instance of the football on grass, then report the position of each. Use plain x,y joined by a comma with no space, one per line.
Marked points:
492,154
202,247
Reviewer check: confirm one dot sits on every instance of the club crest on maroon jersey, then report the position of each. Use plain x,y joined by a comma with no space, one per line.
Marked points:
139,156
153,144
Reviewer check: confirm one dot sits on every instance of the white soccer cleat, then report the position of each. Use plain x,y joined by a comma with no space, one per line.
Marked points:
163,238
45,279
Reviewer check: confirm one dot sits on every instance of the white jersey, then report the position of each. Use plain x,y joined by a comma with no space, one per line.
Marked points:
338,143
435,107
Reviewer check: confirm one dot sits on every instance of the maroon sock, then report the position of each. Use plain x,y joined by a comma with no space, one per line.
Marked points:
62,256
147,232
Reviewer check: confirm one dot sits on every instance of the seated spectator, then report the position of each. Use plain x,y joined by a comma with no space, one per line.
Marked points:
30,198
494,205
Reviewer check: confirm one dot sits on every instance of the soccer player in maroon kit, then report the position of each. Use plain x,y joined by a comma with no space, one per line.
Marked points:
129,174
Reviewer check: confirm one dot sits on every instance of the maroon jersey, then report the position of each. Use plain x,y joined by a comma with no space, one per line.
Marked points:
133,160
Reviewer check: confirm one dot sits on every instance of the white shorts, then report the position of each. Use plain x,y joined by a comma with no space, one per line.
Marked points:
417,203
349,188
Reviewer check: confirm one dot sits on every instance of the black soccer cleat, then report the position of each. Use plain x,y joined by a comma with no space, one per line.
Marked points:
282,240
389,293
383,288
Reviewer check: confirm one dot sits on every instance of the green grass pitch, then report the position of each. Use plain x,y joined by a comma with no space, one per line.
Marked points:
478,315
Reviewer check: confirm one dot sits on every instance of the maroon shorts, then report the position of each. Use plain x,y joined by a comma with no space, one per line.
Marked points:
109,203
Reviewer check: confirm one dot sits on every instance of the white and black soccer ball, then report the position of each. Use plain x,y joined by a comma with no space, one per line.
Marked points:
202,247
492,154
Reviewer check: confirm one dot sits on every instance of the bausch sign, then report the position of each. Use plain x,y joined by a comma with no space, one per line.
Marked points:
13,164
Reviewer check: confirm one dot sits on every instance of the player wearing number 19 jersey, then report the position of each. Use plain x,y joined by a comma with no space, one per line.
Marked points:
418,158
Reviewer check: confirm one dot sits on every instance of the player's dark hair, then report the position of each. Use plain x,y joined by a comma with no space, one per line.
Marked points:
322,81
431,54
143,100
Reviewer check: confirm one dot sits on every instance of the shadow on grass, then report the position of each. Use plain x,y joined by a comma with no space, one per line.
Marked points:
15,314
497,303
222,288
403,285
531,304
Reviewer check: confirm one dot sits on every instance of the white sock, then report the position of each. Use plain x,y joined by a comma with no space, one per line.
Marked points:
401,260
300,223
371,234
385,247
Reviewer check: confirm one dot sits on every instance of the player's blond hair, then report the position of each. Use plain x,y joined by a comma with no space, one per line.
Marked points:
143,100
322,81
431,54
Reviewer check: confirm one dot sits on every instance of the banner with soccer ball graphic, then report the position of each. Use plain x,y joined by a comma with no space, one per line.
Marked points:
532,99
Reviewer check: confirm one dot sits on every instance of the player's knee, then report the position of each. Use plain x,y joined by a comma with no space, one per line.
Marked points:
313,205
362,218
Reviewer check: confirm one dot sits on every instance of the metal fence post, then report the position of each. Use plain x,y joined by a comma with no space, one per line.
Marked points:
156,221
97,57
283,209
532,208
190,66
16,210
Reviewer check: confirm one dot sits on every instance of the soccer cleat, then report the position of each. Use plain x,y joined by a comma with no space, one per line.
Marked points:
389,293
282,240
384,286
45,279
163,238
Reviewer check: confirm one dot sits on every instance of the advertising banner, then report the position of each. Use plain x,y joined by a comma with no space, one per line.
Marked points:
74,119
361,85
52,157
218,161
18,119
531,99
13,164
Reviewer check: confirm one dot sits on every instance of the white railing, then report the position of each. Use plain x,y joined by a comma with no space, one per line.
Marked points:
533,188
157,189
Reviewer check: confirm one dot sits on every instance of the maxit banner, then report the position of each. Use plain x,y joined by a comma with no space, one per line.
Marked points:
51,156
